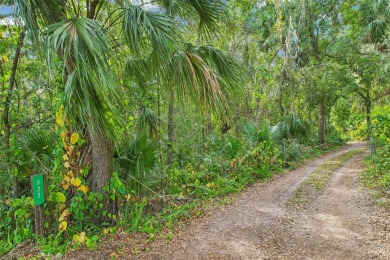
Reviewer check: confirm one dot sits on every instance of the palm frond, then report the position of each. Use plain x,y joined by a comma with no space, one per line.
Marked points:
141,27
37,14
138,70
90,89
207,12
293,127
376,19
224,65
189,75
148,119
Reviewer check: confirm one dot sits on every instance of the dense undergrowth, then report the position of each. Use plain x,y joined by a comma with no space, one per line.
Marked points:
148,197
377,172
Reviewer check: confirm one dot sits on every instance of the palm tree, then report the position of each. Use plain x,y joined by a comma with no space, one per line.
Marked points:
87,35
376,21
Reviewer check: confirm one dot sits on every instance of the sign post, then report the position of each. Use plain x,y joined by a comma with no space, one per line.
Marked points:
39,189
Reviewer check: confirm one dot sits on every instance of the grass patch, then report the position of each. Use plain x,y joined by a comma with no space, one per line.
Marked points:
317,181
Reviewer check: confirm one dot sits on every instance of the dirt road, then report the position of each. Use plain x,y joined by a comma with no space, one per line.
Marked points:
341,223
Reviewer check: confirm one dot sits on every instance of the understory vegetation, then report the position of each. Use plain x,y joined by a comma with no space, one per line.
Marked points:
377,174
137,113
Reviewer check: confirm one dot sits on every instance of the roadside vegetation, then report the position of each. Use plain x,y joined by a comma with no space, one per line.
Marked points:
137,113
377,173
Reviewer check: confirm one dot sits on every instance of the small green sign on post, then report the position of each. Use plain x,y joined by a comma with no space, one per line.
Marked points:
38,189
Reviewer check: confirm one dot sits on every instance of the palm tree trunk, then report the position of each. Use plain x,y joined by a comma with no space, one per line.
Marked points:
7,109
171,130
102,160
101,172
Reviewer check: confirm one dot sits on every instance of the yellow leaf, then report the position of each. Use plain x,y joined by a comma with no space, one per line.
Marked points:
70,174
106,231
127,197
74,138
76,238
61,206
65,185
64,215
83,237
59,119
76,182
66,178
63,226
84,189
66,164
65,157
69,149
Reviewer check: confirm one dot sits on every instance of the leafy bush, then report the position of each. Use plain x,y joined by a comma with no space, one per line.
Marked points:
16,225
378,173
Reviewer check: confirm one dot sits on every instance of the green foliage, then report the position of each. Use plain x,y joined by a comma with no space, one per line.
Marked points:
377,173
123,60
136,160
16,225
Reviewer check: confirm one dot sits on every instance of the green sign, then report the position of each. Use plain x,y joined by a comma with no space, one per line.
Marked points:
38,189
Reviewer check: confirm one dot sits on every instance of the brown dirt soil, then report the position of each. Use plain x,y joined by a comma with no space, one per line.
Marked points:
341,223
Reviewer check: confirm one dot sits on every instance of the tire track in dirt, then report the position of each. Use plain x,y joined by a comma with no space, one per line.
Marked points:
337,225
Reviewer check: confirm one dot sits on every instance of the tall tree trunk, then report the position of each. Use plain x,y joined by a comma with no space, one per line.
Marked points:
102,160
7,109
367,103
101,172
171,130
321,123
246,63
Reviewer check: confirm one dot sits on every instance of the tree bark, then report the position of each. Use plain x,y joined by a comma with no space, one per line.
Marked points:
7,109
367,103
101,173
102,160
321,123
171,130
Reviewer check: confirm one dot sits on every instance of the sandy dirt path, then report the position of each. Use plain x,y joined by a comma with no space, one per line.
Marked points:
341,223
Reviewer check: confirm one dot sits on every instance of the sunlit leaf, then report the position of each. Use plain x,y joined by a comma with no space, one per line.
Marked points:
74,138
80,238
65,185
63,226
76,182
59,121
70,174
66,164
60,197
59,116
83,237
76,238
64,215
83,189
